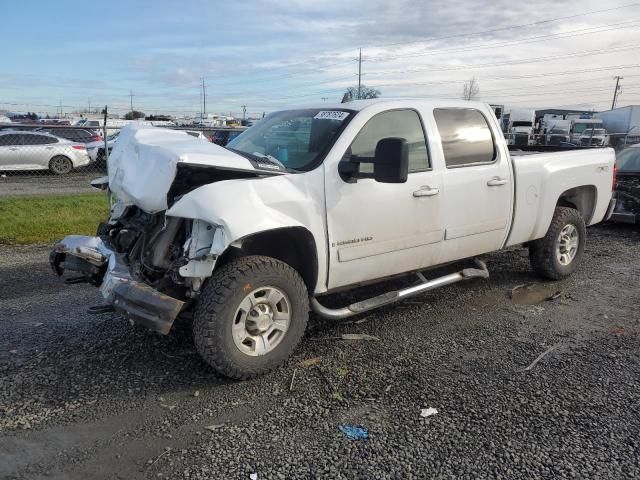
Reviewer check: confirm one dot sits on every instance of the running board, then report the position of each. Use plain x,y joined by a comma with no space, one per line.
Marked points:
391,297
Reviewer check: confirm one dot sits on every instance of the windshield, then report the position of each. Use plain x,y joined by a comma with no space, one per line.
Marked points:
581,127
295,138
628,160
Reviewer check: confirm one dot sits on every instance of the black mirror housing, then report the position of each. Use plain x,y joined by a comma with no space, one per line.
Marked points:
391,161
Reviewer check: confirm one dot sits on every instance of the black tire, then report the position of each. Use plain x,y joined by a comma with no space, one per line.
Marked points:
60,165
217,307
543,252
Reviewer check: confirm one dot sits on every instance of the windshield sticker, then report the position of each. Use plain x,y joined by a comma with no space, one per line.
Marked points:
331,115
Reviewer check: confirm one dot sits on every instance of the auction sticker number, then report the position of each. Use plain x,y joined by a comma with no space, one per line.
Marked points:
331,115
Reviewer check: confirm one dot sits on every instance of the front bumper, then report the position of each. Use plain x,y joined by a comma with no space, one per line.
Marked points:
103,267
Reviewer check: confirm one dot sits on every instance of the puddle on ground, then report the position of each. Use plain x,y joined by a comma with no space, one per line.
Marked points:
534,293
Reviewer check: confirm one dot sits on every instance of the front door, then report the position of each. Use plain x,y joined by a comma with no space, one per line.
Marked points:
381,229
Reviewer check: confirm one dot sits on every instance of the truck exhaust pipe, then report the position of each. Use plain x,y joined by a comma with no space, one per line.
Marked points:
397,295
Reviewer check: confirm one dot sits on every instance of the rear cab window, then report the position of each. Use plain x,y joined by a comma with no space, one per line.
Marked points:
466,137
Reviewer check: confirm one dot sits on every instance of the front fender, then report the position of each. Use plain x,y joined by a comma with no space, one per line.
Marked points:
245,207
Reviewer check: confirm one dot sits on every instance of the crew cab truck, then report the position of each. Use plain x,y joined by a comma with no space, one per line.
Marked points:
248,239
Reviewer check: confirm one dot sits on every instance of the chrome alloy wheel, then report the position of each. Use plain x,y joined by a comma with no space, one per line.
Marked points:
261,321
567,246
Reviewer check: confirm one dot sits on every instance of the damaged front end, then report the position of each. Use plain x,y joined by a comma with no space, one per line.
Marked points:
147,266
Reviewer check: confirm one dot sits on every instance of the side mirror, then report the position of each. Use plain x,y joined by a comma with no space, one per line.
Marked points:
391,161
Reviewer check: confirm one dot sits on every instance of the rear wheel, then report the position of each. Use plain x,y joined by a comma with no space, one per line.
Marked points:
250,317
558,253
60,165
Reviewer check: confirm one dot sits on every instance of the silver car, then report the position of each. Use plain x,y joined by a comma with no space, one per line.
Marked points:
20,150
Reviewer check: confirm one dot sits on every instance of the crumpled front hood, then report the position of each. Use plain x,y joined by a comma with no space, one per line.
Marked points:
144,160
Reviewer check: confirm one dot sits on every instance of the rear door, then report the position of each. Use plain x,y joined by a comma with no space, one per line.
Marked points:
39,150
380,229
478,187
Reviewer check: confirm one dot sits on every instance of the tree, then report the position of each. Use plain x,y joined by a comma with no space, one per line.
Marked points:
365,93
134,115
471,90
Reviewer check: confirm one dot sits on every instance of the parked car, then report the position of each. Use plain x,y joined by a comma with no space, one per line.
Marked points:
248,238
197,134
40,151
222,136
628,186
74,134
96,148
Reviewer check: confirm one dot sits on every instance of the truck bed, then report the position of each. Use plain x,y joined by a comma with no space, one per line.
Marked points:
536,195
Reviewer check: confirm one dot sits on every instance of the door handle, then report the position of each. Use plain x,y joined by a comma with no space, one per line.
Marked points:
497,181
426,191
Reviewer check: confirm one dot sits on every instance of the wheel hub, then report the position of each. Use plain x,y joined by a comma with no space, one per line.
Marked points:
567,246
261,321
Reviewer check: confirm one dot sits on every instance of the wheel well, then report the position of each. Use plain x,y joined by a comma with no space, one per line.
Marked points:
582,199
294,246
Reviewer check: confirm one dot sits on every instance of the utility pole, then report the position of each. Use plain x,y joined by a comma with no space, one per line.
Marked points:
616,91
60,108
131,95
244,112
359,73
89,101
204,99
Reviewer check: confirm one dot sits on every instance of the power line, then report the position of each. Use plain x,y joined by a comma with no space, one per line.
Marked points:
510,27
513,62
551,36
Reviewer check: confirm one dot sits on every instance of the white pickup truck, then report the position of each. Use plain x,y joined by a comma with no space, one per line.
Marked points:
245,240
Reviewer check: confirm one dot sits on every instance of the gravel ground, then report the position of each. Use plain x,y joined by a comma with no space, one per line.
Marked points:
14,184
91,397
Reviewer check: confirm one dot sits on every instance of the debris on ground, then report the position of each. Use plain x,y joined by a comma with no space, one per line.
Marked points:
428,412
540,357
359,336
353,432
196,393
310,362
253,476
361,320
211,428
293,377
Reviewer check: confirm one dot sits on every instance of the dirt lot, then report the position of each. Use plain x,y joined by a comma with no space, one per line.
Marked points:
14,184
91,397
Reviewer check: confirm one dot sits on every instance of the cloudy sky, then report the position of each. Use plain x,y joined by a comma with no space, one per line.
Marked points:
277,53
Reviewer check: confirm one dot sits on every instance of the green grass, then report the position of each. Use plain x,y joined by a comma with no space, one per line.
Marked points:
46,219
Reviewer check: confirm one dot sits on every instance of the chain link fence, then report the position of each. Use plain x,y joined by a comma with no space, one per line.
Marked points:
41,159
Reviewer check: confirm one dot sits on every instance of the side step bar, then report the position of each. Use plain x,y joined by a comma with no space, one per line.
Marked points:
397,295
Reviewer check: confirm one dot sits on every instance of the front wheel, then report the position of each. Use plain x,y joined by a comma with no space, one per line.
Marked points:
558,253
251,315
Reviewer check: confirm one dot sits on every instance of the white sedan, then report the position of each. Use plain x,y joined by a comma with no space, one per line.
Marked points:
21,150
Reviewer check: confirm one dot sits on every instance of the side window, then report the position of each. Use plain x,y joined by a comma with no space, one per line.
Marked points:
397,123
44,140
8,140
466,136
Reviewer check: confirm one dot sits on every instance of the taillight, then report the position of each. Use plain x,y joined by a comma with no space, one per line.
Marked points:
96,138
79,147
614,182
